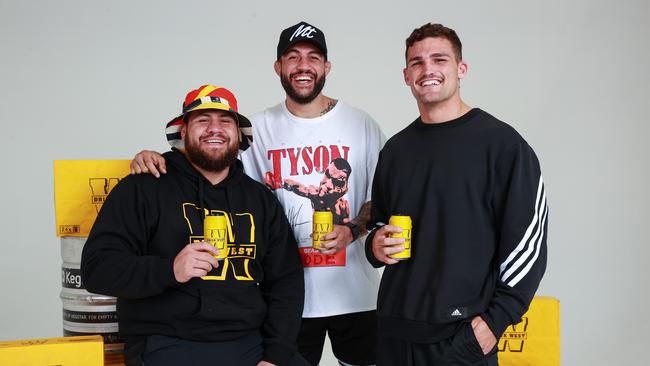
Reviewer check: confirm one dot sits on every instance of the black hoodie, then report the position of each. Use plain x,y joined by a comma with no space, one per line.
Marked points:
143,225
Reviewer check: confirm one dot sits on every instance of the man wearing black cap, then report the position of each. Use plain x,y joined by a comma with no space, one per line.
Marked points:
296,140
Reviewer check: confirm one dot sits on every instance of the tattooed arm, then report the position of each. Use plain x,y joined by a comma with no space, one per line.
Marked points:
363,217
341,235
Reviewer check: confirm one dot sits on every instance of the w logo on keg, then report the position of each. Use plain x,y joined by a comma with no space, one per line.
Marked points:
241,247
514,337
100,188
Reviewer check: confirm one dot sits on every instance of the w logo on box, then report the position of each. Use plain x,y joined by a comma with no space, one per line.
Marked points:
100,188
514,337
535,341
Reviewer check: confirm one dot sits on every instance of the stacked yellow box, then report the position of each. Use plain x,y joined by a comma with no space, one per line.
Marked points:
67,351
535,341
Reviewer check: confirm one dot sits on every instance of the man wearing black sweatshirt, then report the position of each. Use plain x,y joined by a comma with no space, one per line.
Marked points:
177,304
474,191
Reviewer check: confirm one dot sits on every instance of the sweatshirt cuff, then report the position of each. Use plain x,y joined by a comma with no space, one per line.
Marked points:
497,326
166,271
503,312
368,245
277,354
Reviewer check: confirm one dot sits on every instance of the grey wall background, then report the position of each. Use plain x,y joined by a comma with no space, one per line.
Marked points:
98,80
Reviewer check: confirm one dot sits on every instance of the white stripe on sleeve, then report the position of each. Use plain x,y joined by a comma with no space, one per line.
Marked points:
529,230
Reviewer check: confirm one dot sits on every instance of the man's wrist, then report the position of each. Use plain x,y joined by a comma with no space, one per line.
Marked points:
354,228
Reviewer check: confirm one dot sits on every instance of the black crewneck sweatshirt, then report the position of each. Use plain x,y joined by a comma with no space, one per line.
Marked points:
475,194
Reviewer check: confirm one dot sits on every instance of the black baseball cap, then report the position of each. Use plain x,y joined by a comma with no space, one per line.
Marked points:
301,32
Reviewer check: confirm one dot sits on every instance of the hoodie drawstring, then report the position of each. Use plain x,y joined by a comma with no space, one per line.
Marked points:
201,199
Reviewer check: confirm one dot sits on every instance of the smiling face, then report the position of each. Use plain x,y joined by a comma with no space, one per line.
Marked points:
302,70
211,139
433,72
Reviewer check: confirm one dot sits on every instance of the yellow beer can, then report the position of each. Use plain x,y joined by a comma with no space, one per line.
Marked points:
321,225
215,233
405,223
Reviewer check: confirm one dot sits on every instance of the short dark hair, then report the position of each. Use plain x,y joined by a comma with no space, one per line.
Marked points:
433,31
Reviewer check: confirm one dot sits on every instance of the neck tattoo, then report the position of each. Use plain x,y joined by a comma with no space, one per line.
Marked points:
330,106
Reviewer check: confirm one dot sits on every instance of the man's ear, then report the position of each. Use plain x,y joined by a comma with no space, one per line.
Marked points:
407,80
183,130
277,66
462,69
328,67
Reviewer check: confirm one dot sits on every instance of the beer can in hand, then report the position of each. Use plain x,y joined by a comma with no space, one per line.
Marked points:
405,223
322,224
215,233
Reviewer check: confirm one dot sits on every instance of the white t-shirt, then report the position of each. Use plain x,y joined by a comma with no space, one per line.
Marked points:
324,162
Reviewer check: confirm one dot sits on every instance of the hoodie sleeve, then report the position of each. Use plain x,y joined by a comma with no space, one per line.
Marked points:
521,214
112,262
283,287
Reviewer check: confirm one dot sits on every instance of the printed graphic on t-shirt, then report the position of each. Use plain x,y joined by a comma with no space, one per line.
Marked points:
241,250
331,164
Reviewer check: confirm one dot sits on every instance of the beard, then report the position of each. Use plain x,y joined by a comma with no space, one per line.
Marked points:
302,99
207,162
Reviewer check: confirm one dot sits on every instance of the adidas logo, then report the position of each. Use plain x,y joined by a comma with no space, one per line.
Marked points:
456,313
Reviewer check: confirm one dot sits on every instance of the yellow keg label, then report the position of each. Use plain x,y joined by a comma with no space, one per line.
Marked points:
405,223
321,225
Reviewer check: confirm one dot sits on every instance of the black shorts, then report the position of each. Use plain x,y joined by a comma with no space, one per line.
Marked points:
157,350
353,337
461,349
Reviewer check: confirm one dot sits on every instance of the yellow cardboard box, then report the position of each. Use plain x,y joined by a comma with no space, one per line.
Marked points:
535,341
67,351
80,188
